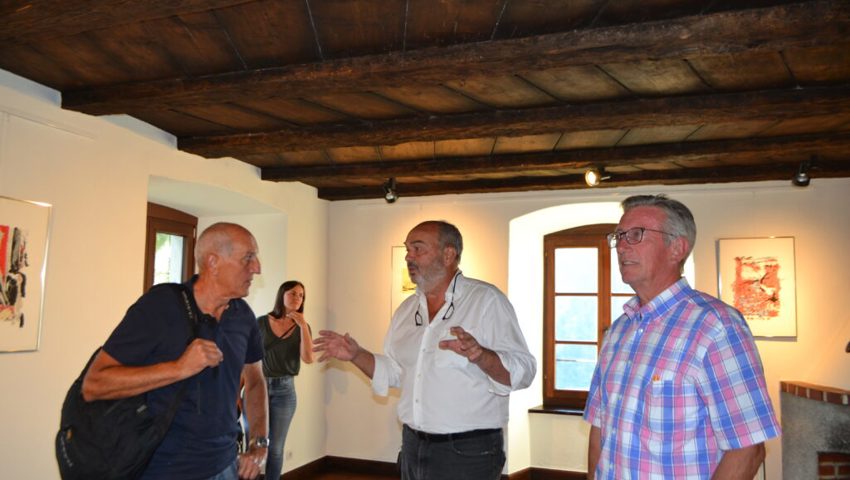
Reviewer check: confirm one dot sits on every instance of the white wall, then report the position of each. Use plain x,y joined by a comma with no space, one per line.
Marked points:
362,233
99,175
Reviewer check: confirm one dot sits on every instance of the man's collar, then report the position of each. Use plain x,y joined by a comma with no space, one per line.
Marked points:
219,308
661,301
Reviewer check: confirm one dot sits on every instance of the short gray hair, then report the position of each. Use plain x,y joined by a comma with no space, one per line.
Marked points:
680,221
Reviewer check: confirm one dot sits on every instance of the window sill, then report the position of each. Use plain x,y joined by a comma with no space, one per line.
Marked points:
557,410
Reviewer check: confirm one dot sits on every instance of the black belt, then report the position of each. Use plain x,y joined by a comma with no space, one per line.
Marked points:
445,437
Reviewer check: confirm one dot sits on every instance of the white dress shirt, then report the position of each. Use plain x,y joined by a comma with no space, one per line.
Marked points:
441,391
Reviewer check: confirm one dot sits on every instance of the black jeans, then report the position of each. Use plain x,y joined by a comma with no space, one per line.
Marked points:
468,456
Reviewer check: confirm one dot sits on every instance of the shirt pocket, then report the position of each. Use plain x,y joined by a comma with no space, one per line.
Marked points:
671,417
449,359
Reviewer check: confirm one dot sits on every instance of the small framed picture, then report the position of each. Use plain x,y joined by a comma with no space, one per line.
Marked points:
24,231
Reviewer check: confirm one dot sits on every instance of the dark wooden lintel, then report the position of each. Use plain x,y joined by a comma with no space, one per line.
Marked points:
773,105
775,28
780,171
728,151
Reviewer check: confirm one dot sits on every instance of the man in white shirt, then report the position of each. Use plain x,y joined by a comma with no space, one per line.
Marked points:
456,351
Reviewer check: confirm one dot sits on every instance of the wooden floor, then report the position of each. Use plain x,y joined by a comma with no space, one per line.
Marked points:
341,474
338,468
355,476
344,475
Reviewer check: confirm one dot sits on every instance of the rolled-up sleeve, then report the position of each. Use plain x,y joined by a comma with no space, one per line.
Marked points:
509,344
387,372
386,375
522,368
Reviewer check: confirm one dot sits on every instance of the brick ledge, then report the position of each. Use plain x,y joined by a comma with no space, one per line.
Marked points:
819,393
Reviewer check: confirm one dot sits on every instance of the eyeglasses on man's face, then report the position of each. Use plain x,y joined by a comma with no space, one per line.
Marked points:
633,236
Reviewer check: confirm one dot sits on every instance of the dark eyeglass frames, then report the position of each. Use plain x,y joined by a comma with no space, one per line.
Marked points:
417,317
633,236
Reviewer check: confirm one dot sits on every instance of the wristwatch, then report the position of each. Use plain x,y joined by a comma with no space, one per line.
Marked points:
262,442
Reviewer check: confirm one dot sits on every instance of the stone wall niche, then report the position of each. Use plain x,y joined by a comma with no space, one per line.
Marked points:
815,424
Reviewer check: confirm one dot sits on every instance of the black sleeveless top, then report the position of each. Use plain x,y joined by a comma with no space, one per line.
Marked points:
282,356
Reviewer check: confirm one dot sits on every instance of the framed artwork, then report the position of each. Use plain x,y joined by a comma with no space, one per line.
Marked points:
24,231
756,276
402,286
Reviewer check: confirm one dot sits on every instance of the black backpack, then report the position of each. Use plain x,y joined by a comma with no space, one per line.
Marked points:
112,439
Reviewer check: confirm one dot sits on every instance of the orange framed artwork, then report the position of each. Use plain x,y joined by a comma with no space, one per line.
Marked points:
757,277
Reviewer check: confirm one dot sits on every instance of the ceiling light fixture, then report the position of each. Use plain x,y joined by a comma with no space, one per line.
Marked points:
390,193
593,175
802,178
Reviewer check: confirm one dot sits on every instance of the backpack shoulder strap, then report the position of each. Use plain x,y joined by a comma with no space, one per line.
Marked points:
184,295
191,314
182,291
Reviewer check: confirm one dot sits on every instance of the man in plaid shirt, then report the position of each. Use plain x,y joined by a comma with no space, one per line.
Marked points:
679,391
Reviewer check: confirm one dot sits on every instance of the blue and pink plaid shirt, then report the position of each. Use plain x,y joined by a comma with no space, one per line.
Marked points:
679,380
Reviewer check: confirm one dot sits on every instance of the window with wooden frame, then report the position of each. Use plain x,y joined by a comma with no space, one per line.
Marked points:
584,294
169,245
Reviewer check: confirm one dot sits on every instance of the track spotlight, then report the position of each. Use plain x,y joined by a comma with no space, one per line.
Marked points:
593,175
390,193
802,178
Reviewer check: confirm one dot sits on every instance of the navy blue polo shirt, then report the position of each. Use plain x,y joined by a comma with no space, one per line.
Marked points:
202,439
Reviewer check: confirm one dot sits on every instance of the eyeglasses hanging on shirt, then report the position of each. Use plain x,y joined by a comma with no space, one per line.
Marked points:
417,317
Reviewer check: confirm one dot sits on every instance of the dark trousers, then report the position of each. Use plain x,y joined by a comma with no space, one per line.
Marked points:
476,455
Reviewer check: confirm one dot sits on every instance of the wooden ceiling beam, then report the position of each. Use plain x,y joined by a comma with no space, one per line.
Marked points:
775,28
23,22
773,105
723,151
778,171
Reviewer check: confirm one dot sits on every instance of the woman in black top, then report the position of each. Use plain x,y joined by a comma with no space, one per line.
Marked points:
287,342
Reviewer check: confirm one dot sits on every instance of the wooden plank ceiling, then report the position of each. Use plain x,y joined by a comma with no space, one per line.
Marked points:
460,96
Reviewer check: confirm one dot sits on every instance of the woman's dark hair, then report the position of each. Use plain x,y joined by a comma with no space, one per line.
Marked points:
279,309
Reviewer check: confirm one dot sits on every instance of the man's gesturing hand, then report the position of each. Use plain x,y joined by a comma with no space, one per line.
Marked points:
334,345
464,344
